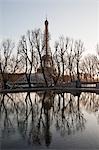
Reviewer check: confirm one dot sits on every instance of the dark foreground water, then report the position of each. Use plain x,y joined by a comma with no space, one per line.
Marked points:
39,121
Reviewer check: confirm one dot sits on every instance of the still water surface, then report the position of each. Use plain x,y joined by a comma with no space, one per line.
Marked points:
37,121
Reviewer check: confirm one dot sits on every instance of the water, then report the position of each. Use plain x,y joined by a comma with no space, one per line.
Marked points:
38,121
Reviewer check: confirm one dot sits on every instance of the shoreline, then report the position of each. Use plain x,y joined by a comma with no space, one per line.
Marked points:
57,89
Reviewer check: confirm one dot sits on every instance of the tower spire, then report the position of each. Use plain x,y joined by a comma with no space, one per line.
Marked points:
46,36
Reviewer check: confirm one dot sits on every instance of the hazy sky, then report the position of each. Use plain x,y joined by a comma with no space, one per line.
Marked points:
76,19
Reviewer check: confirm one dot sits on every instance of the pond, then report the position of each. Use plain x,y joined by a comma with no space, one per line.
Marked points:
40,121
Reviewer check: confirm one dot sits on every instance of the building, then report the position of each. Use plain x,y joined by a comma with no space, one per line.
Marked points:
47,60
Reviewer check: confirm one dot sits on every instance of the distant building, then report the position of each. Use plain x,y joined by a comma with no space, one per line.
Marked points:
36,79
10,78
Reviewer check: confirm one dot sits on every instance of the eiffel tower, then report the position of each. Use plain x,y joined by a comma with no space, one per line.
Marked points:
47,60
47,56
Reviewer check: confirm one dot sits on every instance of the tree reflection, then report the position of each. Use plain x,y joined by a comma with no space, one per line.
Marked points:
34,115
90,102
69,118
5,111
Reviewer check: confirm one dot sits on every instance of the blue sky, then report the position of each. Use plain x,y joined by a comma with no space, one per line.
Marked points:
76,19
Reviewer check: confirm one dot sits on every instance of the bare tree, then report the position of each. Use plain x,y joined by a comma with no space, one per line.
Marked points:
79,49
56,63
39,46
5,55
29,55
66,57
60,57
70,56
62,51
89,66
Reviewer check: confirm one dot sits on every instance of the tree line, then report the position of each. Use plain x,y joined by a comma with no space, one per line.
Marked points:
67,57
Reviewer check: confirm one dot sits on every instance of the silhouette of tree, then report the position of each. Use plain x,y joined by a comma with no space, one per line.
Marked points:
79,49
39,46
89,66
26,50
9,62
5,55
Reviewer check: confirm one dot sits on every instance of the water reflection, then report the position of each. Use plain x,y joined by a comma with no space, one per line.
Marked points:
35,116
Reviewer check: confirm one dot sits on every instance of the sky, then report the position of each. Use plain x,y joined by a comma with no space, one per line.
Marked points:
78,19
